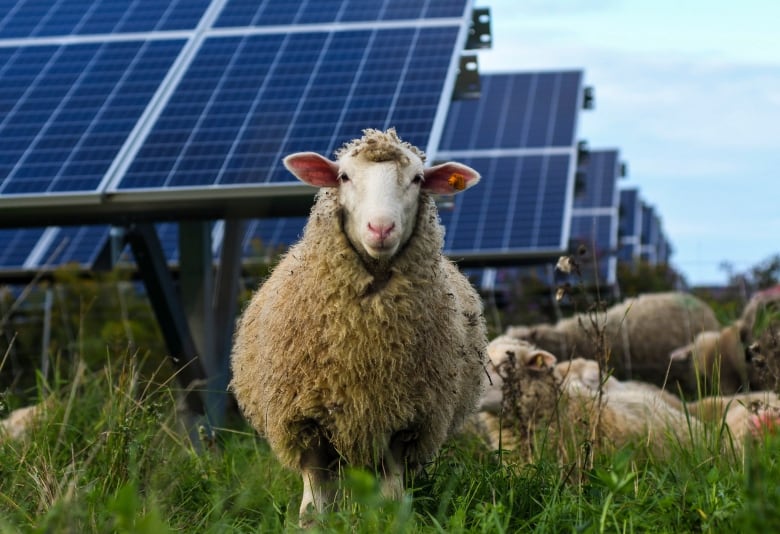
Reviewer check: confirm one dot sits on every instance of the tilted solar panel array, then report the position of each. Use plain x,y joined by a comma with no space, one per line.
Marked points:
107,98
594,221
642,236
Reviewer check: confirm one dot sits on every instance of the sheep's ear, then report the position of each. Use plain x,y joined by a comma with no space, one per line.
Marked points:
313,169
449,178
540,361
683,354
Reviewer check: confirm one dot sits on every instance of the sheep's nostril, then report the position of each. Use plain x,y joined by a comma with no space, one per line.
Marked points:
381,231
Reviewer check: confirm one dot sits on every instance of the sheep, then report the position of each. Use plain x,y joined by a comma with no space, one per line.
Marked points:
762,308
639,334
17,424
716,360
582,374
365,346
763,358
761,334
529,402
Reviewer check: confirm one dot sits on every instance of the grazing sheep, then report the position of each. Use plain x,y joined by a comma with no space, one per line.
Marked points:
716,360
530,405
365,346
638,335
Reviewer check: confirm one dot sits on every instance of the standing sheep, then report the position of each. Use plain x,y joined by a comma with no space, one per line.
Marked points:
365,346
639,334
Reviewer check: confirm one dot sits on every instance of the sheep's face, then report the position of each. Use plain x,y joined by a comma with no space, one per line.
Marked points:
379,202
379,195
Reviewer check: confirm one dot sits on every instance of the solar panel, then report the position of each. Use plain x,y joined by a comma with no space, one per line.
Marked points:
65,111
248,101
595,214
516,110
629,225
265,13
79,245
519,205
520,135
138,96
36,18
16,245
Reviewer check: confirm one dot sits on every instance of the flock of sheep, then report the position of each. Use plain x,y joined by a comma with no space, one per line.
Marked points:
366,346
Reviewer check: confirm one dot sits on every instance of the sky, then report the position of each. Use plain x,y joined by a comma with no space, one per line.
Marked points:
689,92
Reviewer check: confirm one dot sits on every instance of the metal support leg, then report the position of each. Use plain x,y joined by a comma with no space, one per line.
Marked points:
168,309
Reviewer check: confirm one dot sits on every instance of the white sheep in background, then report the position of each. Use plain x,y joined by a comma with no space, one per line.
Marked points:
530,404
365,346
639,334
744,414
17,424
716,360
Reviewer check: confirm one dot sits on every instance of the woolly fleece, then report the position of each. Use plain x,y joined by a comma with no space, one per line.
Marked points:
323,352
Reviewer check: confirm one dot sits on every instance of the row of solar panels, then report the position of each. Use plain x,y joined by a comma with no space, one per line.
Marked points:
118,97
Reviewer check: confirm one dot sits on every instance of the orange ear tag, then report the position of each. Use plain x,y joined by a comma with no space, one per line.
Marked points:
539,361
457,181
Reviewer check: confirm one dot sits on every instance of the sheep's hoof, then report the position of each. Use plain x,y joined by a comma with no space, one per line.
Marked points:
308,517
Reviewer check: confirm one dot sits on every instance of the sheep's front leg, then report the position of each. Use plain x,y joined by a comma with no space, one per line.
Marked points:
319,489
393,466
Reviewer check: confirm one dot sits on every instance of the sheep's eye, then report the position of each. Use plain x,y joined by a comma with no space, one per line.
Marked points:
418,178
343,177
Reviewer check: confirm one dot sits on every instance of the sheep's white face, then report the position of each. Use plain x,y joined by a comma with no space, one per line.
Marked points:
380,202
380,199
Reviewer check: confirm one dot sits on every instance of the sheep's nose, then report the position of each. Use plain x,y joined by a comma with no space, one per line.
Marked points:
381,231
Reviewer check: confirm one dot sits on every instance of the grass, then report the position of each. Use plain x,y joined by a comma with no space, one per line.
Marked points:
108,456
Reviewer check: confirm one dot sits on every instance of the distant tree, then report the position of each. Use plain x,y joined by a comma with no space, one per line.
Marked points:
644,277
766,274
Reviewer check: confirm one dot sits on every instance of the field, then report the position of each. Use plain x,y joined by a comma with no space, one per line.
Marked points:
109,454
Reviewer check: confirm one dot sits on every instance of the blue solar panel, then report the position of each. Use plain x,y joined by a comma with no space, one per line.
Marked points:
16,245
290,12
599,184
246,102
65,111
516,110
650,230
520,204
74,244
595,214
266,237
629,224
37,18
598,234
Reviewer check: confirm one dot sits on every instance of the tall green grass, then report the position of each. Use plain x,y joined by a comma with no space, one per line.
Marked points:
107,455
